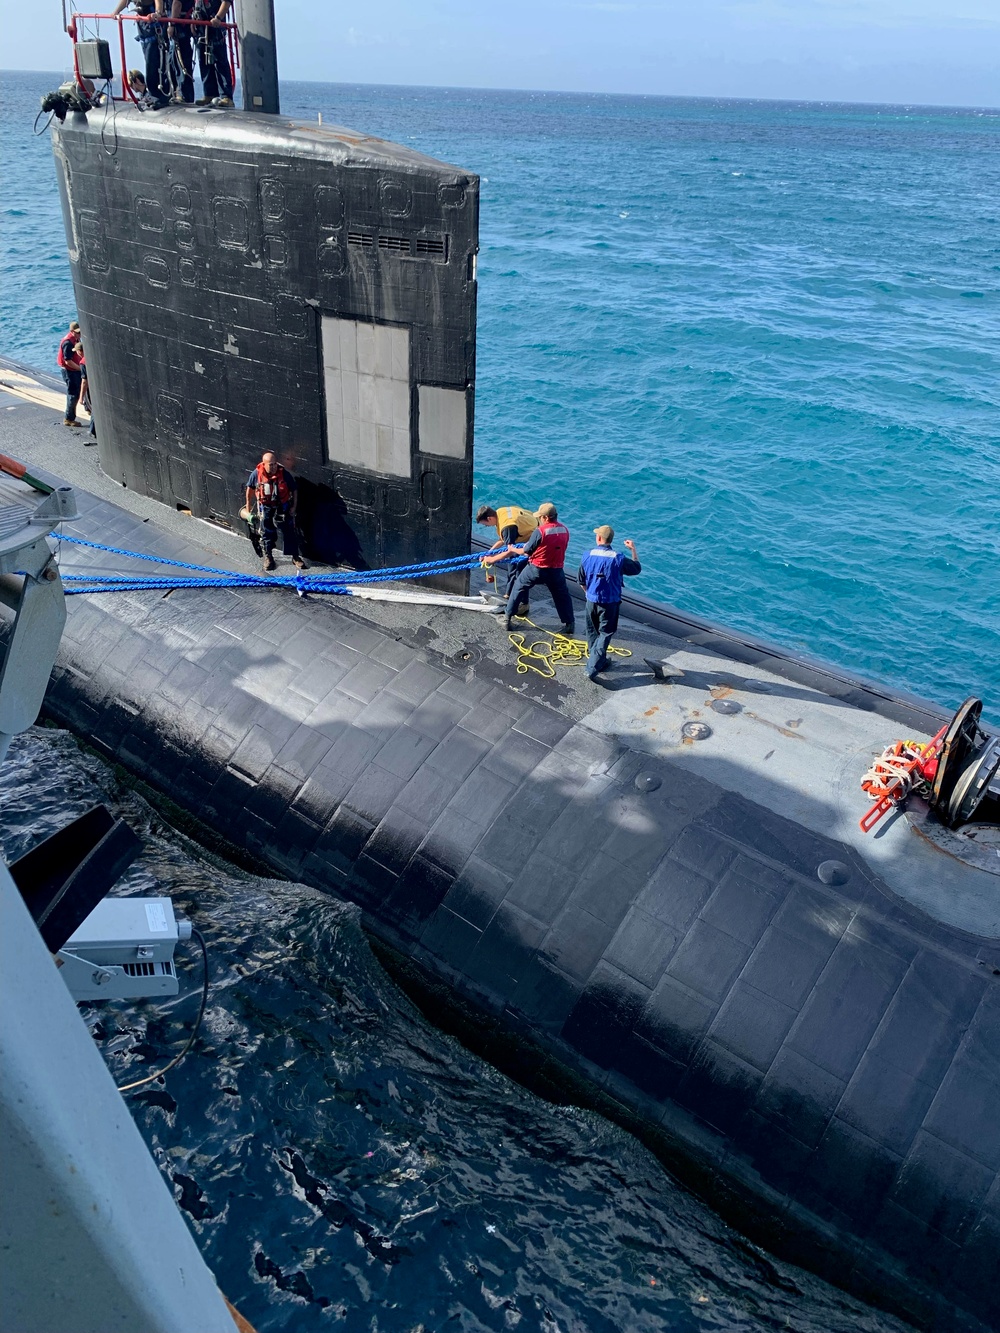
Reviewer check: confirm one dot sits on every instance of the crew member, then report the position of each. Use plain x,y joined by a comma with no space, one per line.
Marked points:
546,553
152,36
213,53
182,57
69,359
513,523
601,574
273,495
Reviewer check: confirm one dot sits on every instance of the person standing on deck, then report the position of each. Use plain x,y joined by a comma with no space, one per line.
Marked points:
213,53
546,552
512,523
69,359
273,495
602,572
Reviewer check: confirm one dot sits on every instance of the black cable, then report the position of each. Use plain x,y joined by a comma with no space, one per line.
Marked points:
109,108
35,129
150,1078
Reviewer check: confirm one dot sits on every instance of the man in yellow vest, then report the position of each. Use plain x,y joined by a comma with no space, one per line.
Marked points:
513,524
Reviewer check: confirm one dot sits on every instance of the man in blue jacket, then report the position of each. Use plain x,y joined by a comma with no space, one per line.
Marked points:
602,572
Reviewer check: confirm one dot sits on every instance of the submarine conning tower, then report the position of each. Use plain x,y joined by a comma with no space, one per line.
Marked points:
248,282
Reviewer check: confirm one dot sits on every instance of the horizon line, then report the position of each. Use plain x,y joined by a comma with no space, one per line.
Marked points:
572,92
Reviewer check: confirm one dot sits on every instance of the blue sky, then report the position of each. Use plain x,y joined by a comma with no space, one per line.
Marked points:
931,51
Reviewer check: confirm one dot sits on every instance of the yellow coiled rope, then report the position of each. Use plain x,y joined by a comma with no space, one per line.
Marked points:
553,650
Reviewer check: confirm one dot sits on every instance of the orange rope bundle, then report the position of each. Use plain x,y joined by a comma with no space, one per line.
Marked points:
894,774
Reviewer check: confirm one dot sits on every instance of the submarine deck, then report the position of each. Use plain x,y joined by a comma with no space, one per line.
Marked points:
556,851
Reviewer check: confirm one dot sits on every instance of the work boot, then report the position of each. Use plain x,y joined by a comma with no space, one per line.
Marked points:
223,102
567,630
203,101
72,421
300,564
522,610
269,563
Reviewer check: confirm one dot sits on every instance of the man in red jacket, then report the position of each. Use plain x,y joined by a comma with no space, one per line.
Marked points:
546,552
69,359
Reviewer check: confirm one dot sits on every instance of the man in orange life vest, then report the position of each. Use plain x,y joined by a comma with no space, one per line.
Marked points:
546,552
272,494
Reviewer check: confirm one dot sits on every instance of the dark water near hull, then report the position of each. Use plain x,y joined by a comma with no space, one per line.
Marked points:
343,1164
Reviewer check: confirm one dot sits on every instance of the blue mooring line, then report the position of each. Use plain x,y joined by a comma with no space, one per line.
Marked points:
335,584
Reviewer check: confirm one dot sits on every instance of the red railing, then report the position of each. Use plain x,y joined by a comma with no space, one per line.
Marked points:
127,94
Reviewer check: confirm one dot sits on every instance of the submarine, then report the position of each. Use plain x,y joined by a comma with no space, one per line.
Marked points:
659,889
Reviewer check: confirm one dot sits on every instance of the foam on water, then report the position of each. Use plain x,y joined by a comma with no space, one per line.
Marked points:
763,339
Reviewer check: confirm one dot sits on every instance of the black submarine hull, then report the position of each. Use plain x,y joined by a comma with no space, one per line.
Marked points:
246,282
818,1060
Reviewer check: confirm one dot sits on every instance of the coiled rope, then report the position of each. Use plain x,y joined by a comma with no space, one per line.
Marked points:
543,655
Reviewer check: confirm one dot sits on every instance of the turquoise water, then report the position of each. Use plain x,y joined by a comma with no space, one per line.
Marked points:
762,339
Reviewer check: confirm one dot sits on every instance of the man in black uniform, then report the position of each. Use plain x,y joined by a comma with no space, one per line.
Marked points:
213,53
182,56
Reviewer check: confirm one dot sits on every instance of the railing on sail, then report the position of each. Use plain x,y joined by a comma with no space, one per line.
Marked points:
76,33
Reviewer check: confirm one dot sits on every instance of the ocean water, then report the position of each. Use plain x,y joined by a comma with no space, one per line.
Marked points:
761,339
345,1165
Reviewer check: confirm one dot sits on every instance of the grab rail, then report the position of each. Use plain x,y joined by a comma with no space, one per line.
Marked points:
231,30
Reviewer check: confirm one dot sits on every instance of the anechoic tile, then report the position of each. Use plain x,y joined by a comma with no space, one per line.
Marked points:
576,942
545,995
884,1103
675,893
675,1019
540,885
942,1186
963,1113
851,1172
487,723
343,839
321,793
741,907
404,752
477,892
450,938
752,1025
303,751
255,753
481,797
707,960
606,889
642,947
427,794
395,840
417,894
415,681
457,754
365,680
373,792
719,1087
437,715
503,953
603,1018
703,851
800,1096
839,1017
543,724
351,754
786,967
514,756
451,840
928,1016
